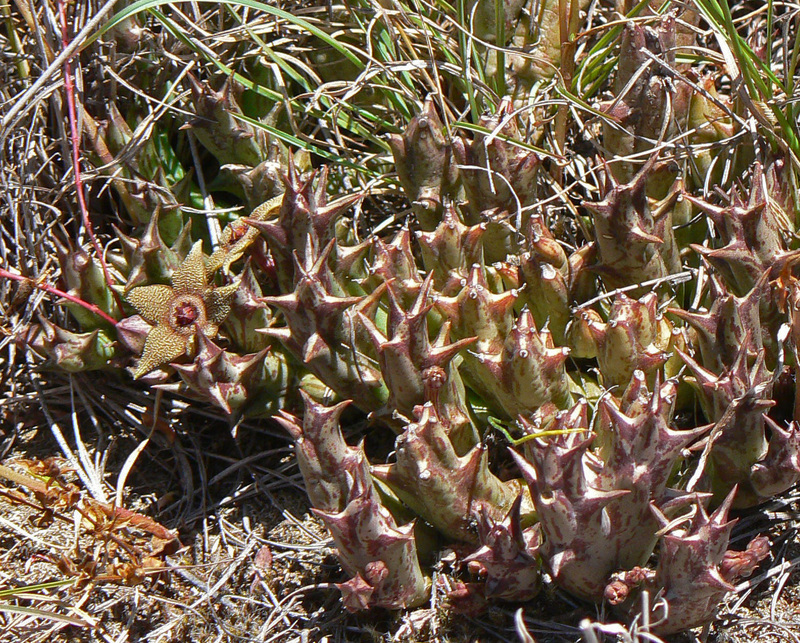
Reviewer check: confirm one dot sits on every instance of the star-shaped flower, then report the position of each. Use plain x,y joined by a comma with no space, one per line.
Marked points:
180,311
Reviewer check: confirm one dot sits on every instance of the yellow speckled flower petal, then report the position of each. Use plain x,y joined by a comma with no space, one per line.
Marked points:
231,250
268,208
151,302
190,277
210,330
218,303
162,346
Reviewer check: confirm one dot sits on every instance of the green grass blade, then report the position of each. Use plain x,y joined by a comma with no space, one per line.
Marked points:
144,5
290,139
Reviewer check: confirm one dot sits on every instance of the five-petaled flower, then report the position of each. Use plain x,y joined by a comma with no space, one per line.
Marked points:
190,306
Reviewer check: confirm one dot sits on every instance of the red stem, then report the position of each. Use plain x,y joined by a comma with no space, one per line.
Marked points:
69,88
60,293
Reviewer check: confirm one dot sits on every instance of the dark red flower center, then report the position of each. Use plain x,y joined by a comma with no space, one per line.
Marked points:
186,314
238,230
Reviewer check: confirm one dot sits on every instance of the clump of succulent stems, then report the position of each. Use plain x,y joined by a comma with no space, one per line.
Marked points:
621,322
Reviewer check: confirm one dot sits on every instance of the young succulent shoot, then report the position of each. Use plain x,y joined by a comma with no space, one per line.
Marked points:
425,164
695,570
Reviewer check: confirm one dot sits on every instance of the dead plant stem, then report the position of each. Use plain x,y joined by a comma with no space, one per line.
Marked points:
75,143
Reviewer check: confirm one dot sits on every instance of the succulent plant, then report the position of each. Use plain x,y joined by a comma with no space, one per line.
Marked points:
425,164
635,240
72,352
594,506
622,322
695,570
379,554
